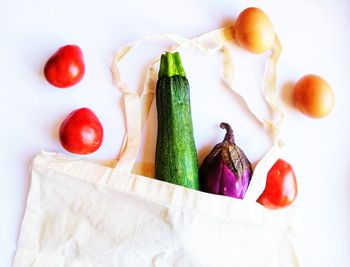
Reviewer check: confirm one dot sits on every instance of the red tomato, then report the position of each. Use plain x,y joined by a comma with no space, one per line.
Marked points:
281,186
81,132
66,67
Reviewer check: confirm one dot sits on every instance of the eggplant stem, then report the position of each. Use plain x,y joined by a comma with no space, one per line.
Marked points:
229,132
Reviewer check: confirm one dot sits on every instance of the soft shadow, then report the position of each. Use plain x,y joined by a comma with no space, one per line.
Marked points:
35,48
54,130
227,21
286,93
55,127
24,196
230,33
348,184
255,162
203,152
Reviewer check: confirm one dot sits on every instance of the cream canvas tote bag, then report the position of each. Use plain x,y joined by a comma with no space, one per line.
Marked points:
81,214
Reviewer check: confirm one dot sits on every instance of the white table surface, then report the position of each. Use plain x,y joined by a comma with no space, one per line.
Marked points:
315,36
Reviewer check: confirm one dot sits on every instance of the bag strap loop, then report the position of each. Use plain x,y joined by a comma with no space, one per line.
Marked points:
137,107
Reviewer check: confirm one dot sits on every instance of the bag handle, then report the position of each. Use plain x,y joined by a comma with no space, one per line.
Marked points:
137,106
136,110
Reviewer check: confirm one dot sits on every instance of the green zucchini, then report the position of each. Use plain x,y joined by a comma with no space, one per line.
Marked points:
176,156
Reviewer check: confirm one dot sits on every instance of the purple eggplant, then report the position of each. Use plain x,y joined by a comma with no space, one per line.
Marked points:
226,170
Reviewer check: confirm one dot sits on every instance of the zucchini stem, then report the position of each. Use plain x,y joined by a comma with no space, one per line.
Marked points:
171,65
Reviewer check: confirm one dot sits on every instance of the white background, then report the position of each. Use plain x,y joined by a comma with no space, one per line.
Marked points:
315,36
